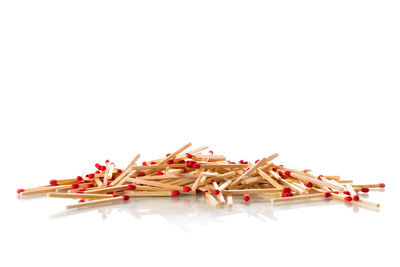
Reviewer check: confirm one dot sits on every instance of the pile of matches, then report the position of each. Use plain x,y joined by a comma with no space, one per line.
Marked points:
191,172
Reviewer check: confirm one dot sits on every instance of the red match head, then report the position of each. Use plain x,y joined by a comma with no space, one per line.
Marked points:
79,178
196,165
257,161
319,176
160,173
287,190
119,171
91,175
280,173
382,185
131,187
189,163
216,192
186,189
346,193
53,182
174,193
144,163
116,195
356,198
287,173
141,174
348,198
274,169
169,154
80,191
211,152
189,156
90,185
171,161
75,186
198,191
103,168
328,194
336,192
97,172
309,184
246,198
364,189
107,161
81,200
20,190
285,195
182,161
152,163
126,197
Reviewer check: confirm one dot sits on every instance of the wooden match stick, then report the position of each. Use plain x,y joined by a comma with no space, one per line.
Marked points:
96,202
82,196
297,198
252,191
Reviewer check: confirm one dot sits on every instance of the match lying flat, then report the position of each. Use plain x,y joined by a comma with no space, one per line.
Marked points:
190,172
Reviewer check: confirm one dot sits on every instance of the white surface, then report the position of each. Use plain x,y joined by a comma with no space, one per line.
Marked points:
83,81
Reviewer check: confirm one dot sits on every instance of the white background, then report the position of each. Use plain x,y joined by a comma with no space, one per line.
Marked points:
84,81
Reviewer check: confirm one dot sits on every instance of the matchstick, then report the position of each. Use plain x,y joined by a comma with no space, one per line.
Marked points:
98,202
297,198
82,196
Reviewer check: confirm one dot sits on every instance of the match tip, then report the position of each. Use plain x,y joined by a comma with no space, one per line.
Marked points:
356,198
91,175
107,161
75,186
119,171
167,155
309,184
126,197
186,189
20,190
364,189
103,168
144,163
131,187
211,152
287,173
328,194
171,161
285,195
160,173
189,156
348,199
116,195
216,192
81,200
196,165
174,193
346,193
287,189
246,198
382,185
141,174
51,182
